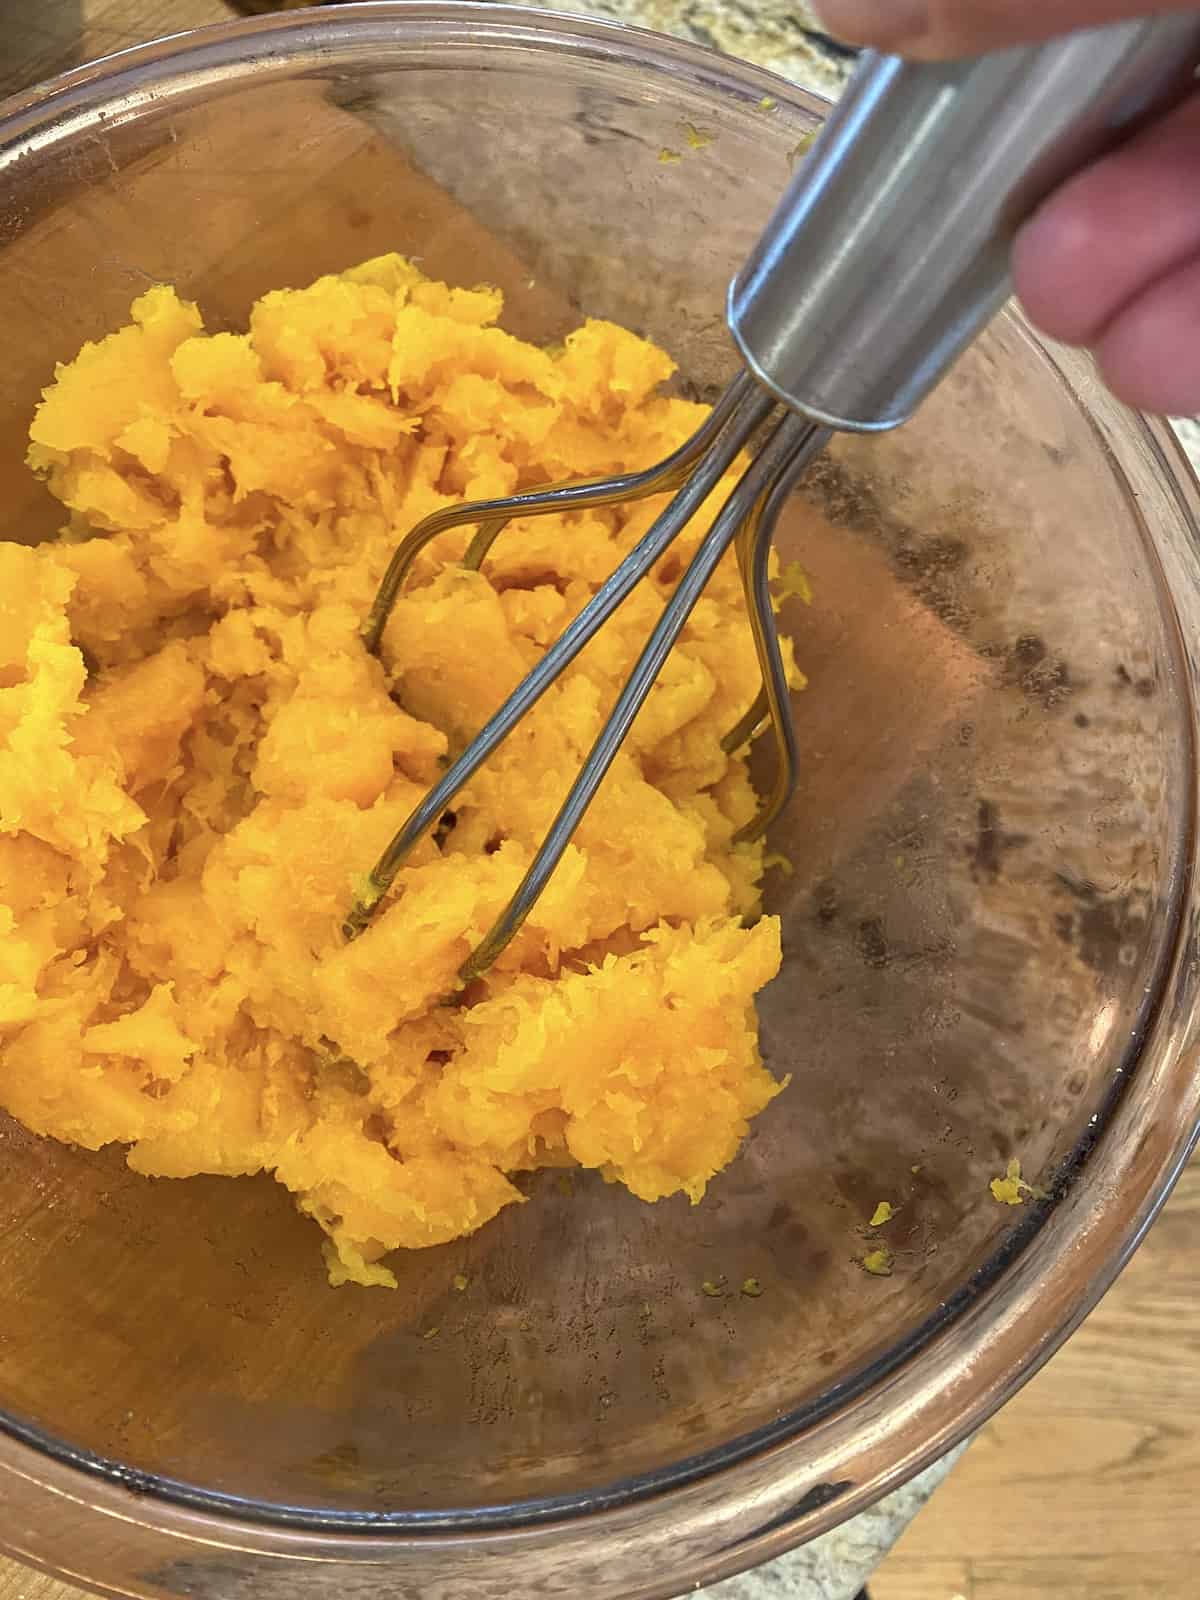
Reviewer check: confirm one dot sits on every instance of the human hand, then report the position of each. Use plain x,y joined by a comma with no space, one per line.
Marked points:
1111,260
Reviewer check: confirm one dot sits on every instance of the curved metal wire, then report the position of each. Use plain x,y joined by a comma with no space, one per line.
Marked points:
492,516
748,725
790,447
743,409
774,698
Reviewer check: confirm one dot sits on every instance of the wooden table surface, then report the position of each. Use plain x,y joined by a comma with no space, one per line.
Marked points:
1086,1487
41,37
37,39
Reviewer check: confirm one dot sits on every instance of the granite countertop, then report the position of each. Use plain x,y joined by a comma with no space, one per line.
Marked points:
778,34
838,1565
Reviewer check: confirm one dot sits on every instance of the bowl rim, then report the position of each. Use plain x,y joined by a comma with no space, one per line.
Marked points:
873,1431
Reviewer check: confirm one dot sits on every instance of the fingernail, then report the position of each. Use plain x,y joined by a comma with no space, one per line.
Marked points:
886,24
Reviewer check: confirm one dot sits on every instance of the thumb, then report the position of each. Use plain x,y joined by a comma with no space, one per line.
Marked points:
942,29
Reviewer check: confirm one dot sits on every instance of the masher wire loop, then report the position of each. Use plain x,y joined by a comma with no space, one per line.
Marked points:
772,703
492,516
696,467
875,272
793,443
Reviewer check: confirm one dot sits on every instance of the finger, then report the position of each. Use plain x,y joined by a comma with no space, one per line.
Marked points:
1150,355
943,29
1113,230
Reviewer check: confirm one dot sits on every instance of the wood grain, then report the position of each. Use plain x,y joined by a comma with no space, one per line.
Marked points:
20,1583
39,41
1086,1486
917,1579
49,36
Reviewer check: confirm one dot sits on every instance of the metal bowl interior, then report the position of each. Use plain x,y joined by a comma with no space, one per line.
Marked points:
986,889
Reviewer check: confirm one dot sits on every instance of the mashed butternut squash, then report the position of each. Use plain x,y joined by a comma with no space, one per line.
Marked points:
198,759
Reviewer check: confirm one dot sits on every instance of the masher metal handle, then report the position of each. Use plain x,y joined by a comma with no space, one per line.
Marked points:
890,250
887,255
